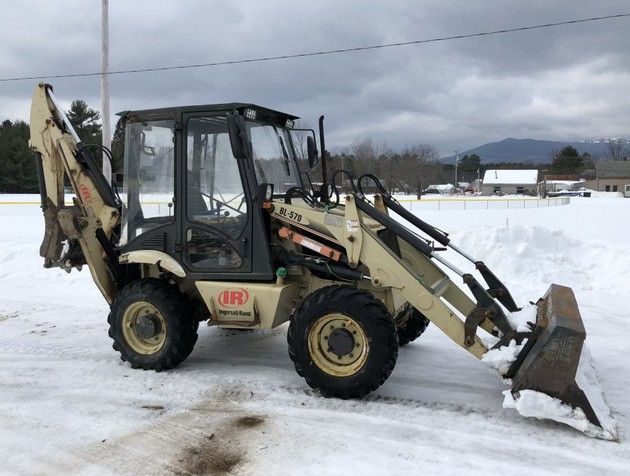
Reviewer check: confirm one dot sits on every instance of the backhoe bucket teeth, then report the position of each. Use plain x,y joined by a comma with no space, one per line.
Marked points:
557,364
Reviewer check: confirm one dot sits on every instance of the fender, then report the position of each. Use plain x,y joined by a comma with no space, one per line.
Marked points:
158,258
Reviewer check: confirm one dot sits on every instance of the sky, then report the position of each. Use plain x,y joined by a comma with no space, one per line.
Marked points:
562,83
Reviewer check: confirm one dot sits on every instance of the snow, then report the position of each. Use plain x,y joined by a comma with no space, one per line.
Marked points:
535,404
510,177
69,405
539,405
501,359
519,320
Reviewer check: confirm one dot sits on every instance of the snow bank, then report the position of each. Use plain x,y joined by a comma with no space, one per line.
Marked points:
535,256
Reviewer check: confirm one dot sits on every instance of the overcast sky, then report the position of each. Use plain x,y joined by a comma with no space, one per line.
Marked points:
563,83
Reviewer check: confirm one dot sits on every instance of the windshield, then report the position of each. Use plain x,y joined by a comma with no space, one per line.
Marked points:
274,158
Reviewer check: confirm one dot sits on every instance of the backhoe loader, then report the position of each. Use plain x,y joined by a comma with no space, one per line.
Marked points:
218,221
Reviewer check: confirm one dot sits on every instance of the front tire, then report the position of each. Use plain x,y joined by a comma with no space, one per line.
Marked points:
343,341
150,325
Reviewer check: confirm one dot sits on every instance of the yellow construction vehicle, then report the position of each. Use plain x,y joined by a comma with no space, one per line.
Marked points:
215,223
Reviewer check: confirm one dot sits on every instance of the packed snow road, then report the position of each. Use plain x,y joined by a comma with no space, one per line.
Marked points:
68,404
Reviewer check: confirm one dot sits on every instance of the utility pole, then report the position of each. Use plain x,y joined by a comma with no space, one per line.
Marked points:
107,134
456,160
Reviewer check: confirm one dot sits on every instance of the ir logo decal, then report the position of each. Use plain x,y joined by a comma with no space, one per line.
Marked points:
85,193
233,297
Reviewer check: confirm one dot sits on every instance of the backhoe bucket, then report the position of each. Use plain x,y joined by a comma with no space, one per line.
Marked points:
553,376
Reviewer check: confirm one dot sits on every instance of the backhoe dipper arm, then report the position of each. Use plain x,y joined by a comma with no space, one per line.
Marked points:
72,233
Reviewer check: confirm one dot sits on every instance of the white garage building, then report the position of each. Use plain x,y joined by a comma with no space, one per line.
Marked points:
520,182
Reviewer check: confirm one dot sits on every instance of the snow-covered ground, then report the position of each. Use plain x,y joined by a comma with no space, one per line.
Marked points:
69,405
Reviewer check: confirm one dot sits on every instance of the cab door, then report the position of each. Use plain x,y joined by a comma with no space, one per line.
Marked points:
218,215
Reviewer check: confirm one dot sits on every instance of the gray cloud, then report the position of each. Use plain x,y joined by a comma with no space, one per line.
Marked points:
562,83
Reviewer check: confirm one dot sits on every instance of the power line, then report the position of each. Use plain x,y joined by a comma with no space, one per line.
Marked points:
322,52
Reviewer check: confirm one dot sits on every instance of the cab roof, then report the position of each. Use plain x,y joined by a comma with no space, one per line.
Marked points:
265,113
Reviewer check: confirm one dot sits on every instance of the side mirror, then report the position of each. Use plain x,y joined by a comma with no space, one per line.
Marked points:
146,149
241,148
311,151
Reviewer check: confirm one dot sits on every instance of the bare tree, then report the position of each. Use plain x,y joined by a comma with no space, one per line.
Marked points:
616,148
418,166
406,170
365,156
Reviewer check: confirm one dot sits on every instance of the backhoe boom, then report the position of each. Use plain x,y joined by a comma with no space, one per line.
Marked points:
71,232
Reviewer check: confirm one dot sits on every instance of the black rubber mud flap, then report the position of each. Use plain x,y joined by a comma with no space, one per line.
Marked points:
550,364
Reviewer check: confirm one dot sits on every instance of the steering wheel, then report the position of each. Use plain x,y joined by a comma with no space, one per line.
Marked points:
227,203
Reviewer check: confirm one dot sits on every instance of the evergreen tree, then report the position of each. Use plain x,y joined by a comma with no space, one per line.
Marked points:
118,145
567,161
469,165
18,173
85,122
17,164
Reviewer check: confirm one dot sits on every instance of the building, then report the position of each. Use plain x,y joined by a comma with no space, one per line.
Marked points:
510,182
611,176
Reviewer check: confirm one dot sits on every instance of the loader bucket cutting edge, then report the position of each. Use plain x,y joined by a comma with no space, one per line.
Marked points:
558,365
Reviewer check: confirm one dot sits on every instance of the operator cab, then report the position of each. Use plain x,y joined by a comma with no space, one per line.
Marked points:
191,177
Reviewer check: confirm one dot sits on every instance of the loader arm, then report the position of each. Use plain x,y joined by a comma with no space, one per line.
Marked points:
398,260
410,275
80,233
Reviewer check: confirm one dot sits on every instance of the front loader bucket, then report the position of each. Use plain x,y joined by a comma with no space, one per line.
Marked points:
553,376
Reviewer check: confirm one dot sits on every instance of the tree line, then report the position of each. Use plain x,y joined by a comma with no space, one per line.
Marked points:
407,169
17,165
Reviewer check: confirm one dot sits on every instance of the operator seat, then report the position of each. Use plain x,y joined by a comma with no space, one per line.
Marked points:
196,205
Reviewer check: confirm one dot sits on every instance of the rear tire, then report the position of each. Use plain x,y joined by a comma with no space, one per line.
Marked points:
151,325
343,341
410,324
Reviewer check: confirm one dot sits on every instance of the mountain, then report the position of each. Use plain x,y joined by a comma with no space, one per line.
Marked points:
530,150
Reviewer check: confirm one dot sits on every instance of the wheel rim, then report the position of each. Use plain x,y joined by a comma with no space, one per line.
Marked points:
338,345
144,328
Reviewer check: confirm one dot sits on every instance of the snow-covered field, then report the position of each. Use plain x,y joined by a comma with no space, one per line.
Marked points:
69,405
